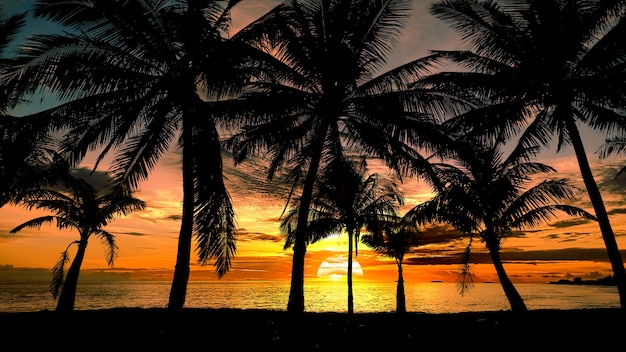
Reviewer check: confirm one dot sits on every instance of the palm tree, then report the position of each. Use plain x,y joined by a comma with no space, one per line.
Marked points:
136,77
344,199
320,96
11,135
77,206
489,196
394,241
550,66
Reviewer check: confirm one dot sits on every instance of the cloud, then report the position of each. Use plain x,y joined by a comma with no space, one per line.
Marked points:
528,257
99,180
616,211
247,236
439,233
135,234
570,222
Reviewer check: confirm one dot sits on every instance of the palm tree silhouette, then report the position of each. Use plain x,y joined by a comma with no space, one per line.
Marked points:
394,240
515,63
76,204
346,199
319,95
488,196
14,142
137,77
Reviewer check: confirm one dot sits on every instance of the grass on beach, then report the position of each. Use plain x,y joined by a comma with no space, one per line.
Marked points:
127,329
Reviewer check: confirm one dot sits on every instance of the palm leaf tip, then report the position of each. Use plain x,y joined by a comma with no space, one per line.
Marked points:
58,273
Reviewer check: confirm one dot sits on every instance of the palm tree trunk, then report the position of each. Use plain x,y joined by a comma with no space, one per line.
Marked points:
350,293
68,292
400,296
515,299
619,273
178,291
296,291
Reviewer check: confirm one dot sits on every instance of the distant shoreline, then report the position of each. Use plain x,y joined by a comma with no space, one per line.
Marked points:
605,281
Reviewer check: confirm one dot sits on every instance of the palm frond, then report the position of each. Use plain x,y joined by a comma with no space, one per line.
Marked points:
108,240
34,223
466,278
58,272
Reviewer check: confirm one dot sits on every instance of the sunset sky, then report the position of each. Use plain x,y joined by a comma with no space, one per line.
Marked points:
147,240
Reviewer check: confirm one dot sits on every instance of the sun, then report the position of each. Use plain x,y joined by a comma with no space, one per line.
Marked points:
335,267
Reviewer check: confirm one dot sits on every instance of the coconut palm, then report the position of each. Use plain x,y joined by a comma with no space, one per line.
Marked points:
345,199
320,96
76,204
137,78
11,135
489,196
395,240
547,68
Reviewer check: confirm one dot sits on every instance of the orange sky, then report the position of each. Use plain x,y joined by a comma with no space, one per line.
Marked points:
147,239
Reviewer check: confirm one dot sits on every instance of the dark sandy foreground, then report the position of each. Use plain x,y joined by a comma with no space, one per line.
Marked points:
129,329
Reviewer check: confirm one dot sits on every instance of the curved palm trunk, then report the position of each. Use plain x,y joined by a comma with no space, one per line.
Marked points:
593,191
178,291
515,299
68,292
296,291
400,296
350,293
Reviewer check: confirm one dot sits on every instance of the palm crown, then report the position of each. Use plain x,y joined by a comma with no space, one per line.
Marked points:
533,88
76,204
488,196
321,96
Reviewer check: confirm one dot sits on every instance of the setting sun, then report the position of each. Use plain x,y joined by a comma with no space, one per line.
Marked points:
335,267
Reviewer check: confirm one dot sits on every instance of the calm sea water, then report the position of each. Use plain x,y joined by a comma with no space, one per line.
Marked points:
331,297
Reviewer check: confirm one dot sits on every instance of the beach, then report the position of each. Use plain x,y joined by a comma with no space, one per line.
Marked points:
156,329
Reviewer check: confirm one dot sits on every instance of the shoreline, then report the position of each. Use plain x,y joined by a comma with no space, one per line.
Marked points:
273,330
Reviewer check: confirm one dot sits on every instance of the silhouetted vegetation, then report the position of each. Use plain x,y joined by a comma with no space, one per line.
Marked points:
301,86
395,239
78,205
323,95
346,199
544,69
488,195
136,79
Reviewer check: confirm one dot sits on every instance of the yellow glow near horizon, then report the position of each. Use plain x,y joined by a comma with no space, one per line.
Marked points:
336,266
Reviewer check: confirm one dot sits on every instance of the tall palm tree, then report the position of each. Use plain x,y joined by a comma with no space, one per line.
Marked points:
320,95
395,240
136,77
547,67
488,196
76,204
14,144
345,199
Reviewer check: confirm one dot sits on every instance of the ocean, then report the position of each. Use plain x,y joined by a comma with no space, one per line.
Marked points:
433,297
